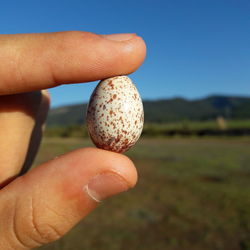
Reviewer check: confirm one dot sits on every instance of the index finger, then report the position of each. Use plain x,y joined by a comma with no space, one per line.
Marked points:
44,60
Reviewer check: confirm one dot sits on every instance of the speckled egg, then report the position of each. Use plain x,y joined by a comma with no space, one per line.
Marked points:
115,114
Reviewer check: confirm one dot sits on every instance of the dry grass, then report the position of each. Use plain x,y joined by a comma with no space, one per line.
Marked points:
192,194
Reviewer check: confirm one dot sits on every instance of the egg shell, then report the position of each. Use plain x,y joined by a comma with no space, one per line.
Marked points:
115,114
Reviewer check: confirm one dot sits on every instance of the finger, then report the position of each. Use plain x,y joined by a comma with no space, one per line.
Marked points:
39,61
20,119
44,204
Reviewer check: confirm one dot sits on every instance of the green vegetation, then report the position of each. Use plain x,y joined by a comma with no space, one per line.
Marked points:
216,115
187,128
167,110
192,194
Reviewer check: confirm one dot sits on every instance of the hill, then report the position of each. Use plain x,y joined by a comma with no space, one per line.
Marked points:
167,110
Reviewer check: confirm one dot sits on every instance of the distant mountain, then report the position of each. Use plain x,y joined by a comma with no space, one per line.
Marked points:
166,110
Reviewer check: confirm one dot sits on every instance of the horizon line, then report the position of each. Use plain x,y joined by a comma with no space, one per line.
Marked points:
163,99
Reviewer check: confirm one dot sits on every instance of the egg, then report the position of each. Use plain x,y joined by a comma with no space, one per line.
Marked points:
115,114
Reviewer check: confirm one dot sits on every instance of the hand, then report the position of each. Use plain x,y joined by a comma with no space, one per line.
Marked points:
42,205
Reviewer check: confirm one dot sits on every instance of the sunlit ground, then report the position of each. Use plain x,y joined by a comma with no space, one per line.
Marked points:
192,194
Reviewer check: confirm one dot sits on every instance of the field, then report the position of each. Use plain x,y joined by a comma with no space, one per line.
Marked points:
219,127
192,194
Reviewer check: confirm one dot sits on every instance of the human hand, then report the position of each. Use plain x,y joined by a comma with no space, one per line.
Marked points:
43,204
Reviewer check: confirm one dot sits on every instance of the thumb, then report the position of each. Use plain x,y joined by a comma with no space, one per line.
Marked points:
44,204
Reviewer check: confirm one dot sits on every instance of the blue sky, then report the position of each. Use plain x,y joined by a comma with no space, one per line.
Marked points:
195,47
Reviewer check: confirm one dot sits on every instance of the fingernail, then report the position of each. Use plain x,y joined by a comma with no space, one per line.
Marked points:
119,37
105,185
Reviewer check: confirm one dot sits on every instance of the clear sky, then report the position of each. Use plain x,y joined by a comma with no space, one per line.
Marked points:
195,47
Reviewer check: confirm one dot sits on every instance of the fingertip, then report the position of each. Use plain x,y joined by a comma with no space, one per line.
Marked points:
132,55
104,161
95,57
126,168
116,174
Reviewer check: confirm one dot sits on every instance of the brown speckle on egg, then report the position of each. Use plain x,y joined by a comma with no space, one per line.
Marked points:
115,114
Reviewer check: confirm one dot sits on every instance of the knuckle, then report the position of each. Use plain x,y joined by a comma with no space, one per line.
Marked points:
30,223
44,231
18,240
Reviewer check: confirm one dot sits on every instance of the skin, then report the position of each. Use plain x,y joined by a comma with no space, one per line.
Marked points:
41,205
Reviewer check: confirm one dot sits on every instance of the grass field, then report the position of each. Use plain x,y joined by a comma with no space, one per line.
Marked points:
218,126
192,194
